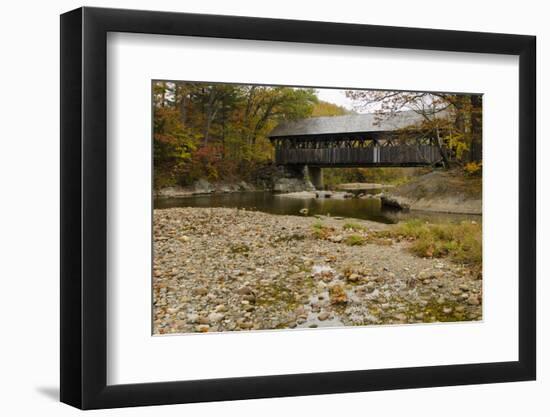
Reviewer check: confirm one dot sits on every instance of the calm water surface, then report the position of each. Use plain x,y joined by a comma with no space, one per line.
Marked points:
268,202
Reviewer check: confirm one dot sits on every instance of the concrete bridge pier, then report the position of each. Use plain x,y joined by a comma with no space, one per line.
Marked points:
315,175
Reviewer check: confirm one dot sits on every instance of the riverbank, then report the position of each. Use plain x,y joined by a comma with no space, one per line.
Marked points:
266,178
219,269
445,191
202,187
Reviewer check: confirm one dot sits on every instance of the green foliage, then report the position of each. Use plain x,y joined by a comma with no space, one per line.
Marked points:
318,225
355,240
320,231
460,241
385,176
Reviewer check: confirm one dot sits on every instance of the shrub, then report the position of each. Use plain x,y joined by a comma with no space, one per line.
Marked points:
473,169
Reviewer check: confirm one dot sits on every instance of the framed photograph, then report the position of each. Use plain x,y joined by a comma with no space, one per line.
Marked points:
258,208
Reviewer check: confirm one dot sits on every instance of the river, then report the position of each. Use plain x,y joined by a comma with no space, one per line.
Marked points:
269,202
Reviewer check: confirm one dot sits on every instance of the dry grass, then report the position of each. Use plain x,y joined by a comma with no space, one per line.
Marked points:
459,241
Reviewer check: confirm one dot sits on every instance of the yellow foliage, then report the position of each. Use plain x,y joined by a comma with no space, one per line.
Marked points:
473,168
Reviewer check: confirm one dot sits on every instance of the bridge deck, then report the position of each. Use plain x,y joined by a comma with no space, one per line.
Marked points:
396,155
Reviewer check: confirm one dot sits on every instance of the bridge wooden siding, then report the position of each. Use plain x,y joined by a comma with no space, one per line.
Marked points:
382,156
354,141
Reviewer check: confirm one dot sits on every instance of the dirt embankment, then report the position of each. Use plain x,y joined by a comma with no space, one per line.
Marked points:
443,191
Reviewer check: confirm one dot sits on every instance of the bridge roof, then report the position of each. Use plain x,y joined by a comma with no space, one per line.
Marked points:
356,123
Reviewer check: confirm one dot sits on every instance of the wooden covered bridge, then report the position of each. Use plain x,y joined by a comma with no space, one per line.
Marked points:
363,140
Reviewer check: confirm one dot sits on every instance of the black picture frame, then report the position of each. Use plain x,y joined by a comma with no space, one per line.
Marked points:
84,207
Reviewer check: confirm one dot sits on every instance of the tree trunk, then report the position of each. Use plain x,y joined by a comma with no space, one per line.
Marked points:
477,127
211,111
183,103
441,148
463,122
163,95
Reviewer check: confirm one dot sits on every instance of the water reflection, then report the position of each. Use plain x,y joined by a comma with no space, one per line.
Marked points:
367,209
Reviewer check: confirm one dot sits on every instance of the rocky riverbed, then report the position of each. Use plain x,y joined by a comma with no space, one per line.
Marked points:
221,269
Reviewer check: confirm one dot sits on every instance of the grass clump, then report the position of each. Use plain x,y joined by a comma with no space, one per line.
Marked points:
355,240
356,227
320,231
459,241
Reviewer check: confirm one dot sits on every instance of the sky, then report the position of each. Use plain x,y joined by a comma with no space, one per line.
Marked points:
335,96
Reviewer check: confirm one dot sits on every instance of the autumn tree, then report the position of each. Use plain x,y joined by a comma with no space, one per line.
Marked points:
326,109
453,120
225,124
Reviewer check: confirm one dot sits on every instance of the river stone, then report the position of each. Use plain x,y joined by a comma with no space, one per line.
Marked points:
473,300
422,275
354,277
215,317
249,297
323,315
200,291
400,317
192,318
300,311
337,294
245,291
